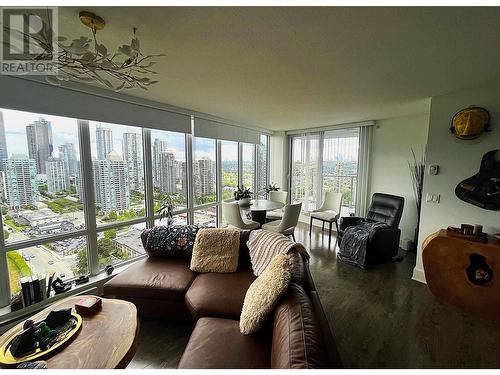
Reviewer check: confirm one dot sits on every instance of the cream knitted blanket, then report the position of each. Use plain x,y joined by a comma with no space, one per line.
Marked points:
265,245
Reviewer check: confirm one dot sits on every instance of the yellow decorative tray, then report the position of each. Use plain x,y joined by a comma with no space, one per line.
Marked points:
6,358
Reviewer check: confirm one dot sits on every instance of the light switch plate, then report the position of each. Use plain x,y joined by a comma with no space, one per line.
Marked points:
432,198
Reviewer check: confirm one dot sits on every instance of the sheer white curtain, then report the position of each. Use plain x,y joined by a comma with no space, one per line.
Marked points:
365,144
306,170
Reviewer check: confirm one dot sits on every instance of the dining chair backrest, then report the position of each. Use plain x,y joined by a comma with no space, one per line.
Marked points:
278,196
333,202
231,212
291,215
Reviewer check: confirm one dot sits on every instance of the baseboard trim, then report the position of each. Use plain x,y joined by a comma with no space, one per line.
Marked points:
419,275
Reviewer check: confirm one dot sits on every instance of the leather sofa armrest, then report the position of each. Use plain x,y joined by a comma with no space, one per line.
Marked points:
349,221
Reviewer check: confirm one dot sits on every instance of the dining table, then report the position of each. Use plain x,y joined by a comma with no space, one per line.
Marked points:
259,207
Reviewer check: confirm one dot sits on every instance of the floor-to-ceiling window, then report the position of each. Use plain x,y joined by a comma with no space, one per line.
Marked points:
340,165
76,194
321,162
204,181
306,170
229,168
40,195
262,166
248,166
168,164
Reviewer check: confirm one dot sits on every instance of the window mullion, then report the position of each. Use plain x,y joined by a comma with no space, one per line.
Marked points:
148,176
189,173
240,164
218,180
88,196
4,280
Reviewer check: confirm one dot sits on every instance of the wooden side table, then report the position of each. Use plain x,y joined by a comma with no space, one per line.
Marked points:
107,339
448,262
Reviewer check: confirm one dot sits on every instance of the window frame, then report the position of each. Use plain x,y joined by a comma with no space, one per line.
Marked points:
91,230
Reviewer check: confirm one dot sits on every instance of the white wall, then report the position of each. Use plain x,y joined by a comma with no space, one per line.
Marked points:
392,142
457,160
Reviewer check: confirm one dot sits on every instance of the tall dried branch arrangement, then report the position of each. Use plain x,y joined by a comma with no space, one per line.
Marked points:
417,170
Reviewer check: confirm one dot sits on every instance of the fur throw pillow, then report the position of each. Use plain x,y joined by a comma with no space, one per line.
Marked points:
216,250
264,293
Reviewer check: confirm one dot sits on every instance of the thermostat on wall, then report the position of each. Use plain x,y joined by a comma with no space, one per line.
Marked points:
433,169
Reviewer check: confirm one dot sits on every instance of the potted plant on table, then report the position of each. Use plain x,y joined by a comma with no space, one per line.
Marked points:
243,196
271,187
166,209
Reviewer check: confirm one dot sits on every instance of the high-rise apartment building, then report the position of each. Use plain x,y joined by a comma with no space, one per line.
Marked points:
168,178
3,141
112,184
40,144
20,181
206,176
67,153
57,175
131,148
79,182
159,147
104,141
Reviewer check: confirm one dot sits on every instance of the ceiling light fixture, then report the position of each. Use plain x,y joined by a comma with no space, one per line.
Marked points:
86,59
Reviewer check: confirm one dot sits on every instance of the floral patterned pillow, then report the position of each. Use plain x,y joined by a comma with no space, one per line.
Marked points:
175,241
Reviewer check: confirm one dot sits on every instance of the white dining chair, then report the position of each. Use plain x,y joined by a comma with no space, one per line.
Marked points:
232,214
287,224
328,212
279,197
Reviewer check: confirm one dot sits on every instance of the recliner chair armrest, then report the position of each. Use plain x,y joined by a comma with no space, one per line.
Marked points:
349,221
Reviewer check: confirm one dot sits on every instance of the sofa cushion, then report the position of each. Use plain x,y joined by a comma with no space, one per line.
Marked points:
216,250
219,294
155,278
174,241
297,338
217,343
264,293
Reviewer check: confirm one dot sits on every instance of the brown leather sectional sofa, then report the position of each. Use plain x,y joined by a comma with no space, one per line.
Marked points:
297,336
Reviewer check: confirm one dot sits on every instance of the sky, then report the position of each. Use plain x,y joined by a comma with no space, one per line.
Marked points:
63,130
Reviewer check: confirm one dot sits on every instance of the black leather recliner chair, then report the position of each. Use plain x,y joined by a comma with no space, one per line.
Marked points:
383,243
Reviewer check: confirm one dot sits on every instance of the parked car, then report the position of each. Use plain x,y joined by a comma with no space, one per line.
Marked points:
51,262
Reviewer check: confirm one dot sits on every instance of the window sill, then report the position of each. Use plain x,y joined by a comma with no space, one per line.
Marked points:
9,317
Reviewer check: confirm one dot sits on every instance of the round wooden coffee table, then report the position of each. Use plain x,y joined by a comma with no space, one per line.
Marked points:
106,340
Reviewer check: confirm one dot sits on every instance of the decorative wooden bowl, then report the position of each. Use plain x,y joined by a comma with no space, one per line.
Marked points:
6,358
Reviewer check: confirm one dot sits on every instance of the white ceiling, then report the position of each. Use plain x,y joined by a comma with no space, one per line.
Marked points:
293,68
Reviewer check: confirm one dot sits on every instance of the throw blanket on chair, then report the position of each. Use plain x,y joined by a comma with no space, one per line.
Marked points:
265,245
353,245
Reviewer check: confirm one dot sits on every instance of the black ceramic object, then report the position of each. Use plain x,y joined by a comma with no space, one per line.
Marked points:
58,318
60,286
24,343
109,269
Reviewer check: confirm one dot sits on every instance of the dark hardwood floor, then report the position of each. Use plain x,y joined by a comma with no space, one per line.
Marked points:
380,318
